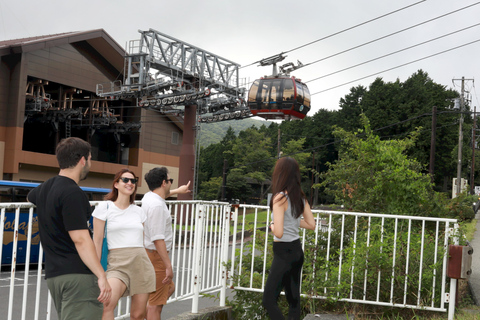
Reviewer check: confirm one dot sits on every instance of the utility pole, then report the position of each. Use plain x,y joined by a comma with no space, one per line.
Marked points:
472,182
313,175
278,144
224,179
460,140
432,143
460,136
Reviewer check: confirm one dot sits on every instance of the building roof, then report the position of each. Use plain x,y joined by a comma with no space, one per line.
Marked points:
100,40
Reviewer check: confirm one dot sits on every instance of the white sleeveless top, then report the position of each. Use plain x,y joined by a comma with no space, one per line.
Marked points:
291,226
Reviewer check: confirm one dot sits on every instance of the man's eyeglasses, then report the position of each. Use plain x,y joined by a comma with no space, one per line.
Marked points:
170,180
132,180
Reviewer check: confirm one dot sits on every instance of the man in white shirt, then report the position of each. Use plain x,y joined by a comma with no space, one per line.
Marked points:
158,236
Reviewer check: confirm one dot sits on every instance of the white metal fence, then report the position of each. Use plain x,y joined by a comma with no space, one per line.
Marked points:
385,260
365,258
199,257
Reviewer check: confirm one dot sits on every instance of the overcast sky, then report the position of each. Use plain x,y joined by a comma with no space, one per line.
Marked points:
250,30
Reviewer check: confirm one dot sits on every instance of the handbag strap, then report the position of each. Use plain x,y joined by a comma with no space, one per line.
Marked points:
105,231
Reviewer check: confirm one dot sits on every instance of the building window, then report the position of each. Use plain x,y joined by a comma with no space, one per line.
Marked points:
175,137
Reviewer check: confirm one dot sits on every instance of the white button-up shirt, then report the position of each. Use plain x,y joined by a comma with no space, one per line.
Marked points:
158,225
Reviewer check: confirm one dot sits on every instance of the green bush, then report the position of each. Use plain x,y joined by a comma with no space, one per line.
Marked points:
461,207
377,258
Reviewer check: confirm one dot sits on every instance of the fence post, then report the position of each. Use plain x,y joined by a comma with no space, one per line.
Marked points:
2,230
227,211
14,261
234,242
453,282
198,254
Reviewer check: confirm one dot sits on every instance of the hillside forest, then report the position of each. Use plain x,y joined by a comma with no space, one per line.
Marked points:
378,140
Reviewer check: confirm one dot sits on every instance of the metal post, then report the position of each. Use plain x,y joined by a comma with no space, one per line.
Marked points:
224,259
187,152
472,182
234,241
13,266
453,282
198,254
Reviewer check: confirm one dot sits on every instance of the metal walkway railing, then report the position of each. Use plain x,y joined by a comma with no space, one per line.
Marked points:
199,257
385,260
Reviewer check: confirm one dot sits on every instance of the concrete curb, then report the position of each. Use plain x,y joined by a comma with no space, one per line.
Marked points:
328,316
474,279
212,313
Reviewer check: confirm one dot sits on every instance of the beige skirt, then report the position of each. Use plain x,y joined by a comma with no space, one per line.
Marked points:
133,267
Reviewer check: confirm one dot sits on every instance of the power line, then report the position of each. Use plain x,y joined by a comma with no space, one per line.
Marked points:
358,25
359,135
342,31
411,27
394,33
399,66
388,54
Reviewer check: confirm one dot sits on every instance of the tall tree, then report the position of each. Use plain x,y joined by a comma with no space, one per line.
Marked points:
374,175
395,109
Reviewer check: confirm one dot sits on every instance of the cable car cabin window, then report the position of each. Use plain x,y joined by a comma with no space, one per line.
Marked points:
277,91
299,93
252,94
288,90
307,98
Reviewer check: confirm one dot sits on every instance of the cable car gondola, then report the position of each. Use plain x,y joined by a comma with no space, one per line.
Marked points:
279,97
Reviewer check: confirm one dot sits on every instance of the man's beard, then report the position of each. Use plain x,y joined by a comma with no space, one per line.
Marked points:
84,173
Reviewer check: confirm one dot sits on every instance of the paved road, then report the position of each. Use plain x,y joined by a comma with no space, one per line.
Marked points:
474,279
170,310
18,292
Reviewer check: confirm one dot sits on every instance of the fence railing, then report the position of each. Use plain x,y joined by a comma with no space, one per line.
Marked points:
386,260
199,256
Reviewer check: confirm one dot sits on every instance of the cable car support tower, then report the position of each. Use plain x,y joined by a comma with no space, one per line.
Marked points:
175,78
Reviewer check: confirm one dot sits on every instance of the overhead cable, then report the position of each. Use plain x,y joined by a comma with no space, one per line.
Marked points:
399,66
391,34
342,31
394,52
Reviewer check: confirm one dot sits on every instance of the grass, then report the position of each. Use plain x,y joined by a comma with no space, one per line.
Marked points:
466,309
469,229
249,222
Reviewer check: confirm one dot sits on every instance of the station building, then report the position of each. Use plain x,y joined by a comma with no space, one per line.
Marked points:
48,92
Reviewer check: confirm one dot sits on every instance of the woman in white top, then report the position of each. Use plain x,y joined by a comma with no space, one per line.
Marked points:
129,270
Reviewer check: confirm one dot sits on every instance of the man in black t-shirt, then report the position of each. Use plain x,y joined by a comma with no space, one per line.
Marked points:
70,259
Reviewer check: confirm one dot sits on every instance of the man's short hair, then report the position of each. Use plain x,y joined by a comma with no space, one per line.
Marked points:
155,177
70,150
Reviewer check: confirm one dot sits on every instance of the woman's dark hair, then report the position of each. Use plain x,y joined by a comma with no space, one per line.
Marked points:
113,194
286,178
69,151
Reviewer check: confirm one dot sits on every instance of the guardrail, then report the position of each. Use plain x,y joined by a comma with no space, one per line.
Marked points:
199,256
386,260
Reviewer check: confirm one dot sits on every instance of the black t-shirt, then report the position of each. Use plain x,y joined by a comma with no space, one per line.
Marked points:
61,207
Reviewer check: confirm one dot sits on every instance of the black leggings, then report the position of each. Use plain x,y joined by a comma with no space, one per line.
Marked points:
284,273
